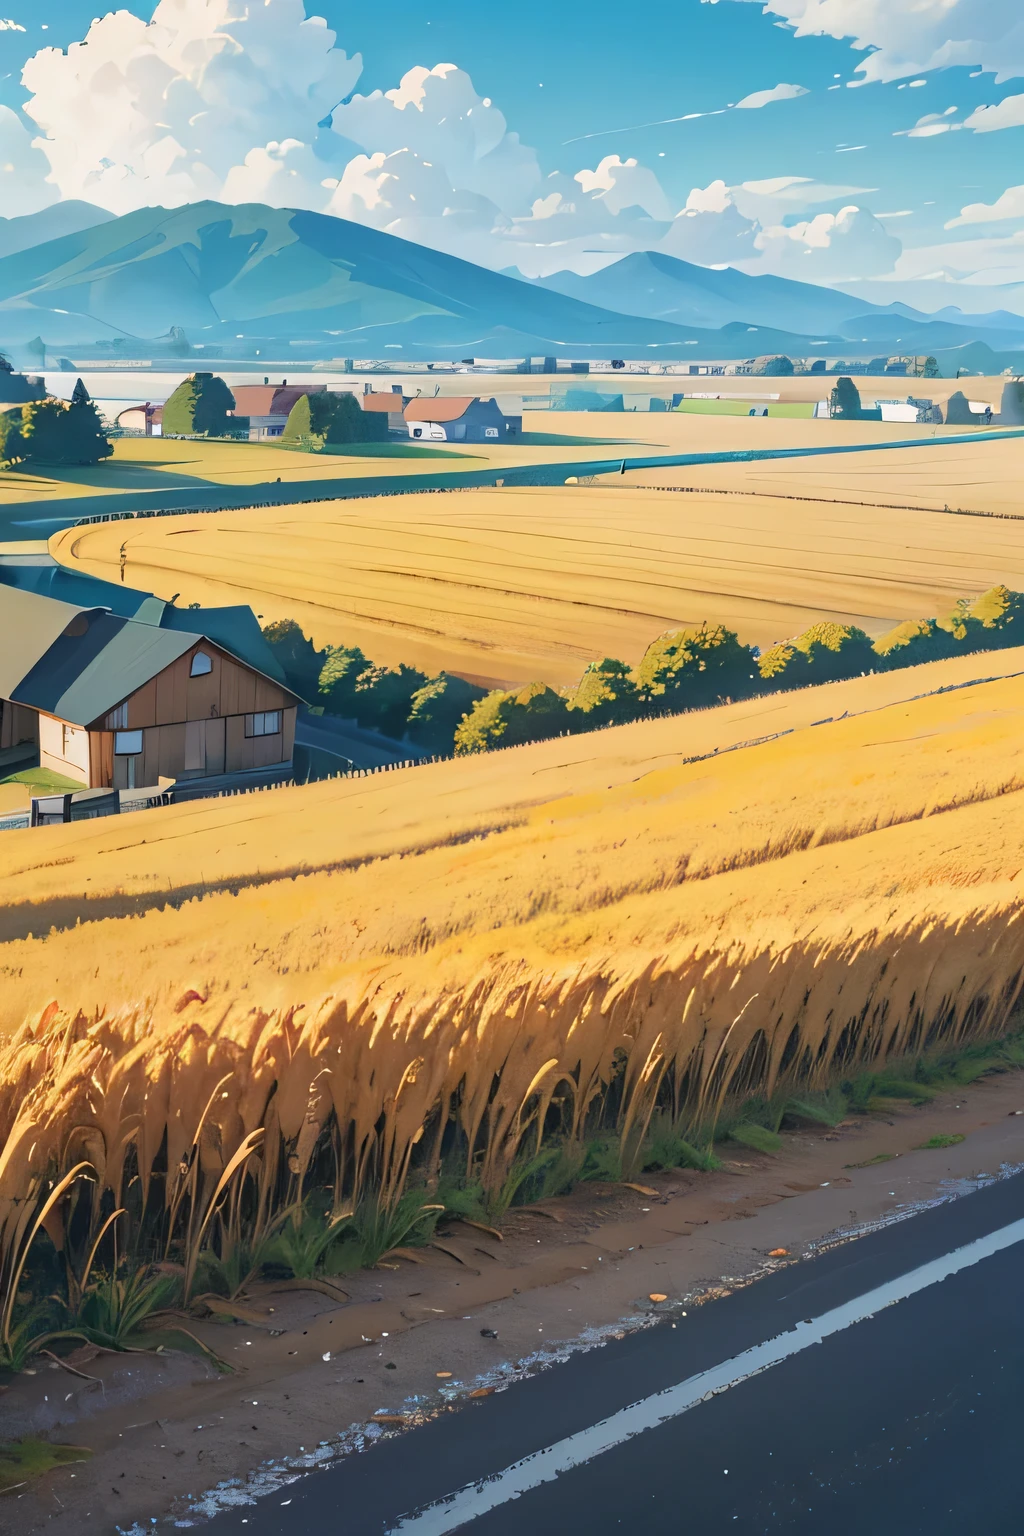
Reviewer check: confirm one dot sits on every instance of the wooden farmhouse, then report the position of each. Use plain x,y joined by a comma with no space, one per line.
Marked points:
115,702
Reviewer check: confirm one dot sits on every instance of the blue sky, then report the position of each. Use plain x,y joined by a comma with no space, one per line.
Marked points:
577,84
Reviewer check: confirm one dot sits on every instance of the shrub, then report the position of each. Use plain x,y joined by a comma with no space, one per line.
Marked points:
604,695
689,668
199,405
438,708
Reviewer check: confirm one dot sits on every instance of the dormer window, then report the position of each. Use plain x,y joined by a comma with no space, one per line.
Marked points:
201,664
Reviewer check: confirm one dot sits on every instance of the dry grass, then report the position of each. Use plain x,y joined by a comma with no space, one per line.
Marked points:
515,585
490,937
980,477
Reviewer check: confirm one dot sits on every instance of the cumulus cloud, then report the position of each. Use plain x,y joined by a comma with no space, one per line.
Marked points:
1008,113
160,112
1009,206
777,93
438,112
910,36
831,247
239,102
23,169
11,26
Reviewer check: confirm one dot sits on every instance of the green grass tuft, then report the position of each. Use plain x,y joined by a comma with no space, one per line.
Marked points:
22,1460
935,1142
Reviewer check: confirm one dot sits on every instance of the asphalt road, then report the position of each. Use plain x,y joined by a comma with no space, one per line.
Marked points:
906,1422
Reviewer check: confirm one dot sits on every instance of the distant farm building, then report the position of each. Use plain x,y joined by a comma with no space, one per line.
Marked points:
462,419
116,702
268,406
145,419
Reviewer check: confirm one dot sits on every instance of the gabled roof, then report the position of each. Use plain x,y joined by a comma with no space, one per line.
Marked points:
29,626
440,408
270,399
80,663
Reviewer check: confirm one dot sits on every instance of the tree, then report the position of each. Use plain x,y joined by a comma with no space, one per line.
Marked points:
1000,611
438,708
384,695
604,695
55,432
959,413
80,395
349,423
198,407
846,404
691,668
912,642
834,651
339,676
12,444
298,657
962,625
309,419
777,367
533,713
930,369
783,666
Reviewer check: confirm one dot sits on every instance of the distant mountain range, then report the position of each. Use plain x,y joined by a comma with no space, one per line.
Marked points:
247,281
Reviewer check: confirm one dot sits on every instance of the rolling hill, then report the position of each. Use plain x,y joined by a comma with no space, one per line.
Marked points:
236,277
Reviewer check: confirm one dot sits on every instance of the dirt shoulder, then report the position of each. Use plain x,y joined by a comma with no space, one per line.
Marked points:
173,1441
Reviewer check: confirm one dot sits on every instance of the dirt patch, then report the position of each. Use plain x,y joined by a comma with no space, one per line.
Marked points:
472,1313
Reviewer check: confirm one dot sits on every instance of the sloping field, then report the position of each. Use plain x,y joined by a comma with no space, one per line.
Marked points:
481,934
978,477
165,464
515,585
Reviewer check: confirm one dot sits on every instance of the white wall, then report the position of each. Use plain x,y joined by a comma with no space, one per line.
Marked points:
70,759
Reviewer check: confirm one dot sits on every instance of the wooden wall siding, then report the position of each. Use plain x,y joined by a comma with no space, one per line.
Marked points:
173,697
101,759
211,746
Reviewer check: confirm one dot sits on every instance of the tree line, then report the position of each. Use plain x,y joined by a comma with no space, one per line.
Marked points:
681,670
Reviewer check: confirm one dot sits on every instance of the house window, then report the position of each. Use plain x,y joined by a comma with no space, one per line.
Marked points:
490,432
268,723
118,718
127,743
201,665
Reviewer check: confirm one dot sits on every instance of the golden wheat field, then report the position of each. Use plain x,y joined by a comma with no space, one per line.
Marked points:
978,477
515,585
481,944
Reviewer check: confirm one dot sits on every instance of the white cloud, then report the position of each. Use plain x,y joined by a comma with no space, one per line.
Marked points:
1009,206
1008,113
438,113
23,187
10,26
240,102
160,113
908,37
831,247
777,93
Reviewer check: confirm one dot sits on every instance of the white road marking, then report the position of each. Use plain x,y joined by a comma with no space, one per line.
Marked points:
458,1509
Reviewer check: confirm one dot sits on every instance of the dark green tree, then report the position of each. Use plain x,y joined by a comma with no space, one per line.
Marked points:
12,444
846,404
297,656
383,698
80,395
55,432
533,713
199,407
835,651
349,423
783,666
778,367
691,668
1000,612
339,677
604,695
438,709
912,642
